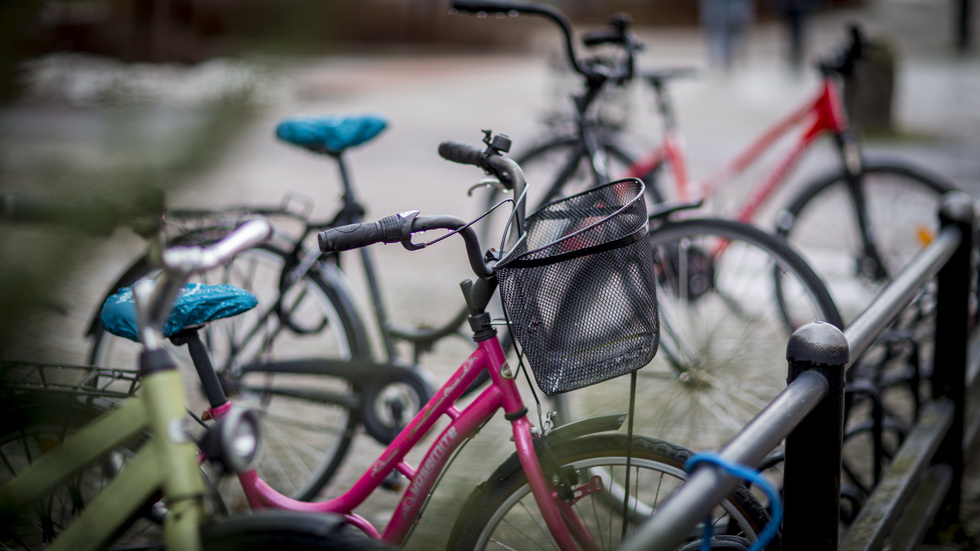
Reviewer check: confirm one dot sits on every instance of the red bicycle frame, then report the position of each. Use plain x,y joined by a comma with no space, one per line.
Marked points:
825,113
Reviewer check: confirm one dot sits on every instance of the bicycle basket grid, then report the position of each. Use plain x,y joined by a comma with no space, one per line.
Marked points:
579,288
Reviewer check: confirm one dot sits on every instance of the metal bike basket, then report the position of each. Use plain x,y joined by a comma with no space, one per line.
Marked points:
579,288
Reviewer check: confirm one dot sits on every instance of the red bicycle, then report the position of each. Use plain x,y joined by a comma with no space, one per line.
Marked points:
856,225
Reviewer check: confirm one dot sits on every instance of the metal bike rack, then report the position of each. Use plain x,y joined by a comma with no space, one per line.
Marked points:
922,482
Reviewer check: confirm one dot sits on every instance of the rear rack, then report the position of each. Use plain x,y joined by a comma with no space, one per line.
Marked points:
104,382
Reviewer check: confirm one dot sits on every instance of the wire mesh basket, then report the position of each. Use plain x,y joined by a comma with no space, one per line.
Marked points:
579,288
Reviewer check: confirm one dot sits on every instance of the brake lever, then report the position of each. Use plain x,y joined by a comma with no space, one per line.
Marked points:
486,182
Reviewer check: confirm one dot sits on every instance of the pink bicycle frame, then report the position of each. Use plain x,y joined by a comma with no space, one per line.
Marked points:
824,113
502,393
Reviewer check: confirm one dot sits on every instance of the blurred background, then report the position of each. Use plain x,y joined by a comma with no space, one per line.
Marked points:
106,99
192,31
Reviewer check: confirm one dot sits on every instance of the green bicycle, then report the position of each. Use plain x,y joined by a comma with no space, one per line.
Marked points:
144,451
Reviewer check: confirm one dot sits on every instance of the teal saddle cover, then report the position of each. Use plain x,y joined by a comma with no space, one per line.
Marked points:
197,303
333,133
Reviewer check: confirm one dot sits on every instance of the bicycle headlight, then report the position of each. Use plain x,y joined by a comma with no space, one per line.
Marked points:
234,442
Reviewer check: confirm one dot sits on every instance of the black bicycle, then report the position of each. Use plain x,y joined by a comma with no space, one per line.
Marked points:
306,310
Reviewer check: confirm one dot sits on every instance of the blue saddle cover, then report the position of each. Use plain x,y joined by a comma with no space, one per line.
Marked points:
197,303
331,133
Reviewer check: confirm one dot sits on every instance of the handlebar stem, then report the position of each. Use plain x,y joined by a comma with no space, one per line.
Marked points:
509,166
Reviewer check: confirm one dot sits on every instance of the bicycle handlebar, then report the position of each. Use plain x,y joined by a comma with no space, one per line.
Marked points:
462,153
514,8
593,73
188,260
846,59
617,34
398,228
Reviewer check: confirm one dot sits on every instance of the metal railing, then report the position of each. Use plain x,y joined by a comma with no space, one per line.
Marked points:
926,471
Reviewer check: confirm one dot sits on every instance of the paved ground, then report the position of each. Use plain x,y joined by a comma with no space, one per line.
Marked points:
433,97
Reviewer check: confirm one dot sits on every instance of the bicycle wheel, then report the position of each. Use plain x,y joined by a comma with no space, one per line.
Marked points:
821,223
307,440
501,513
33,425
723,333
271,530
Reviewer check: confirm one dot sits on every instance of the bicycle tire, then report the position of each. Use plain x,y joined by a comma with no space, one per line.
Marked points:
307,441
722,333
502,511
35,423
271,530
821,223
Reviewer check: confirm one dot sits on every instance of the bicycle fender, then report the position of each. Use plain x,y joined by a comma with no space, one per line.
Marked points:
584,427
663,210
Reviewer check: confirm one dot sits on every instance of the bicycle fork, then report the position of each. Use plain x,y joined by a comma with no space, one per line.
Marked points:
565,526
870,263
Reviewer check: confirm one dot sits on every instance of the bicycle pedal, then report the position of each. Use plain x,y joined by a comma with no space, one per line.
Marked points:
394,482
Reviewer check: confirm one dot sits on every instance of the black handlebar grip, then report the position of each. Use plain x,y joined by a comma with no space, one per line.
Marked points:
355,236
462,153
846,60
488,6
597,38
615,34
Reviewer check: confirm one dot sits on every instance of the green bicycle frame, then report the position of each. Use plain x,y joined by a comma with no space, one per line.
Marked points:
167,463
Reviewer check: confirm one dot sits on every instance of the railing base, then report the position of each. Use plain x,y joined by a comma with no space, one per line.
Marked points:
894,493
915,521
971,430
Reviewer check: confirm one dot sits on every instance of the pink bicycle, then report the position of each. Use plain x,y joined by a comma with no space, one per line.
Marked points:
724,319
579,293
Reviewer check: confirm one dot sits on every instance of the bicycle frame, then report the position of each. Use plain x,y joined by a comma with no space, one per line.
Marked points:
167,462
307,258
824,113
352,212
501,394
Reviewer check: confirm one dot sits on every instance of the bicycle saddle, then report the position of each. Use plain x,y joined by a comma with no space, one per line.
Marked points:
197,303
330,134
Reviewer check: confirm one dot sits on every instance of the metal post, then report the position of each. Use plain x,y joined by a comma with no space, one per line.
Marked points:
813,451
950,354
964,27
